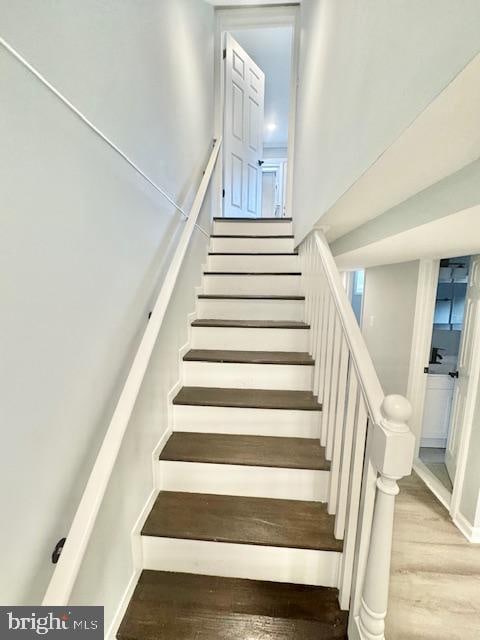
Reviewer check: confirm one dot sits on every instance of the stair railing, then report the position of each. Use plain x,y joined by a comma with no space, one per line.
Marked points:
66,571
366,439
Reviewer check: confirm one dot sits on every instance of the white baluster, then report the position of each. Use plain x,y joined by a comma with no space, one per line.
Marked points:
391,454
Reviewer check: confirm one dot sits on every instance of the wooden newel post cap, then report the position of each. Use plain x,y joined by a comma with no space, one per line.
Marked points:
396,411
393,443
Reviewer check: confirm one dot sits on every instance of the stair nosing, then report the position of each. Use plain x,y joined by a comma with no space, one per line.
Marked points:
252,273
218,322
277,236
236,360
260,253
213,296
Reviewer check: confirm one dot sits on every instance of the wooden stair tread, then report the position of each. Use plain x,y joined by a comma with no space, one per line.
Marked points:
252,357
266,219
252,273
242,520
236,253
247,398
251,324
182,606
255,451
246,237
213,296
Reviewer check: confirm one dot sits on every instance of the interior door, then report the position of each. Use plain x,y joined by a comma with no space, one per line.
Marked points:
243,133
463,391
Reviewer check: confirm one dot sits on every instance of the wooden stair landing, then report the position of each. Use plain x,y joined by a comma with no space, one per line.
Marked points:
247,398
182,606
254,451
242,520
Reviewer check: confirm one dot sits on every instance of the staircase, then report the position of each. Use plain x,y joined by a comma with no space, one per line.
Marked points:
239,543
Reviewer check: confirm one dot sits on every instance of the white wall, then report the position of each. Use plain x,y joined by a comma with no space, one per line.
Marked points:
388,315
367,69
83,245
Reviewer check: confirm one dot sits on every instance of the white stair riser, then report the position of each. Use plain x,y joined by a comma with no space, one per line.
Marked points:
241,421
252,228
252,264
239,480
251,245
250,339
293,310
247,375
276,564
252,285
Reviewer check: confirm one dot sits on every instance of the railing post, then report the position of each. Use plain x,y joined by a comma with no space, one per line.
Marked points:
392,456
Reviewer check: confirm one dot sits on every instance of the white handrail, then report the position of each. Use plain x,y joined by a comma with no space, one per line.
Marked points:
66,571
367,376
95,129
366,463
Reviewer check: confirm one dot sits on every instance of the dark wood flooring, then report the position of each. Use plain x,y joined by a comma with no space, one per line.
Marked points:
242,520
248,398
267,219
182,606
249,357
254,451
255,324
252,273
219,296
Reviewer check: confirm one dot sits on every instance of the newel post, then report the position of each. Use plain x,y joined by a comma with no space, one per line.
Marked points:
392,456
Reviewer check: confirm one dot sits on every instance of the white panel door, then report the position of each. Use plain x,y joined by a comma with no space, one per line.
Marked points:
243,133
465,386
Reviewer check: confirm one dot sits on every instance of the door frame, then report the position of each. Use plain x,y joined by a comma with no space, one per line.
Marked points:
417,385
278,165
229,19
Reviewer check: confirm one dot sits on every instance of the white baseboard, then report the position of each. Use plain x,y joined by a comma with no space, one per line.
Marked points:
111,632
471,533
435,443
433,483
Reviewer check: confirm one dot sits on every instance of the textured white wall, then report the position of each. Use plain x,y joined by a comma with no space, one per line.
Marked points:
84,241
387,324
367,69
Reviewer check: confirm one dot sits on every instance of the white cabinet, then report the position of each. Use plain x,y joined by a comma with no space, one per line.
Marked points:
437,410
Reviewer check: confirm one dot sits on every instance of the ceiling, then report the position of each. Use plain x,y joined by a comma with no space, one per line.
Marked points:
271,50
444,138
453,235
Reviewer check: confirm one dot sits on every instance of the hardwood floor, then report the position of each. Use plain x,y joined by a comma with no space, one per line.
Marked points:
179,606
435,581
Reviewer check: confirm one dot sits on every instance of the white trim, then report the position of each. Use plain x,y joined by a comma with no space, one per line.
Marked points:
421,341
135,534
231,18
236,560
64,576
432,482
112,630
471,533
95,129
470,404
